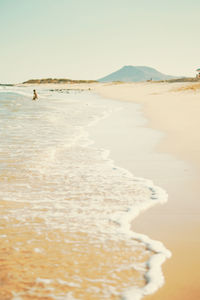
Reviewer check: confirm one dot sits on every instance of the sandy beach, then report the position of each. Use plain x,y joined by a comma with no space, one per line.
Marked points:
155,136
99,150
60,216
173,109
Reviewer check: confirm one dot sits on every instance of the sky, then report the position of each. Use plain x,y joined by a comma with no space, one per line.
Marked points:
88,39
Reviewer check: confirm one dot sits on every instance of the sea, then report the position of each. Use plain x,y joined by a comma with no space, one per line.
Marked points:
65,206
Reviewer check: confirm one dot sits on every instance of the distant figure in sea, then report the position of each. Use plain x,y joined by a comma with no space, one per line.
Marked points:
35,96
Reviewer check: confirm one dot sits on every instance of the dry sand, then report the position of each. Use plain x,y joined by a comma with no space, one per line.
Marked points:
173,109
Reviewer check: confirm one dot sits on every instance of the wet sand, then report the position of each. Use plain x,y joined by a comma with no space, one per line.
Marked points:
174,164
57,240
42,265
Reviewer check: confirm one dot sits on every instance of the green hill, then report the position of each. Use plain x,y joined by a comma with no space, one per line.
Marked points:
56,81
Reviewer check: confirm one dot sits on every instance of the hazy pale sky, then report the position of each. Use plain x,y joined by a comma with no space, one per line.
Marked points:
88,39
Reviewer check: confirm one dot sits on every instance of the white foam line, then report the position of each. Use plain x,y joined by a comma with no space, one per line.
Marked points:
154,276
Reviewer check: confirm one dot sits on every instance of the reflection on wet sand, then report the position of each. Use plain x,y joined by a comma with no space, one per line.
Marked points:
38,263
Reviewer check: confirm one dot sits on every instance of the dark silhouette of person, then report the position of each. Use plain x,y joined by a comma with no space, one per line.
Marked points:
35,96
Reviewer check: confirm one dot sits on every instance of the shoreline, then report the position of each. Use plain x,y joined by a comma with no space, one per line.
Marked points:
109,141
42,223
177,222
176,115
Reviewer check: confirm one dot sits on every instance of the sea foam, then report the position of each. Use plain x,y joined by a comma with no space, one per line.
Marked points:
70,184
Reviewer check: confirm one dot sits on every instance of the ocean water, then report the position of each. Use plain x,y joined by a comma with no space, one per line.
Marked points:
66,208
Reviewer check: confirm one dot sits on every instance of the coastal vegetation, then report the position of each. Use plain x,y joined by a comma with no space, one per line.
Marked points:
191,87
183,79
57,81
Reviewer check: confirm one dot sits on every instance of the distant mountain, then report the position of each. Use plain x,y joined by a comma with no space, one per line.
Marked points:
135,74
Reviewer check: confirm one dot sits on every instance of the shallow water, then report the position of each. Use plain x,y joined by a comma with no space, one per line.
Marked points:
65,206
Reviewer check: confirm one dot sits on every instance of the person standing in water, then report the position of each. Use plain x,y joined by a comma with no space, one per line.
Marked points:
35,96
